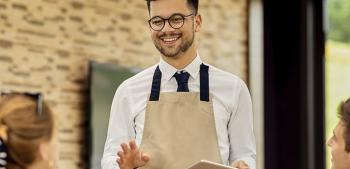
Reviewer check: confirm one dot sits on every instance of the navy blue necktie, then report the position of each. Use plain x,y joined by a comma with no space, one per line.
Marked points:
182,81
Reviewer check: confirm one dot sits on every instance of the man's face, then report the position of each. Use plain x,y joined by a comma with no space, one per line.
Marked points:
169,41
340,158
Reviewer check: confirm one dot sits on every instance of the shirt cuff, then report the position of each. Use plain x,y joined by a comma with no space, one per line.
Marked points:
109,163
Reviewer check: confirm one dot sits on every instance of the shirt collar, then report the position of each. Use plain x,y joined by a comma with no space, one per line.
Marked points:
193,68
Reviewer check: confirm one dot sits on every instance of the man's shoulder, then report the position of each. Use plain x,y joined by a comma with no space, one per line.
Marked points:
141,78
225,77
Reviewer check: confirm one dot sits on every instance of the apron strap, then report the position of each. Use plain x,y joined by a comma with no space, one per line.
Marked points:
204,83
157,79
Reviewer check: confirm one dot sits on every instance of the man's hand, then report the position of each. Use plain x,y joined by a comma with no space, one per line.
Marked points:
131,157
240,165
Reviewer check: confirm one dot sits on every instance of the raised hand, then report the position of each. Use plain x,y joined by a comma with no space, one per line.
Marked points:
131,157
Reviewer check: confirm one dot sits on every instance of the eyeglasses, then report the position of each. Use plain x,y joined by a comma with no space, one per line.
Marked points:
38,97
176,21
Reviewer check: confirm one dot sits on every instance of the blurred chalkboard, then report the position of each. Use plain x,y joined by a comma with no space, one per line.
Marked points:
104,80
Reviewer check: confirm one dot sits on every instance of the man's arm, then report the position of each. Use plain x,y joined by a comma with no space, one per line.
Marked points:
120,128
240,128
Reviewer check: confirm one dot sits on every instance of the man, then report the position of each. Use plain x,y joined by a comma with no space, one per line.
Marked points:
181,110
340,141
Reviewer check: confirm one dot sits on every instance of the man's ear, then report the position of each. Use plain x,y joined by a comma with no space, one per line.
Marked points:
198,22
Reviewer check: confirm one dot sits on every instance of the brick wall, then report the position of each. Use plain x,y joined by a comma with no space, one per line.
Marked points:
45,46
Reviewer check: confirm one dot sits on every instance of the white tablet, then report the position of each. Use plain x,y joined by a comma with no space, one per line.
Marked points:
204,164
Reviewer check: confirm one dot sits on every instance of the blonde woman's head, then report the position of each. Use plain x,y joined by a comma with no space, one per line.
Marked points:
29,136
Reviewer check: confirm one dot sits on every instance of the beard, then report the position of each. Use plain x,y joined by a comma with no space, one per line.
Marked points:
174,51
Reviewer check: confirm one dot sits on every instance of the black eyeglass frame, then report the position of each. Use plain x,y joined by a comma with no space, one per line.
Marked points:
37,96
184,17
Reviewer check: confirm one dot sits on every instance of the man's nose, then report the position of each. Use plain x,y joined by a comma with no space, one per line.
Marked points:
167,27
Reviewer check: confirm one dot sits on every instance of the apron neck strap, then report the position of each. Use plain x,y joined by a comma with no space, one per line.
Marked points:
204,83
157,79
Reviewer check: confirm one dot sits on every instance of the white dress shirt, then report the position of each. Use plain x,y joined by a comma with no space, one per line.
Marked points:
231,103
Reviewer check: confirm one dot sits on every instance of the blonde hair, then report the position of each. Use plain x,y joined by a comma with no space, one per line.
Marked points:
23,129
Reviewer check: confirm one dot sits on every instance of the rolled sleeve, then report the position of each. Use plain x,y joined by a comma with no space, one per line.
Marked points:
120,128
241,133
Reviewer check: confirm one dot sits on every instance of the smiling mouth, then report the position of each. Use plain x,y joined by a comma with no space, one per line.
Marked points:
170,40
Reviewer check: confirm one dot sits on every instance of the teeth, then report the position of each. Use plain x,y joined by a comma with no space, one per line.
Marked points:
169,39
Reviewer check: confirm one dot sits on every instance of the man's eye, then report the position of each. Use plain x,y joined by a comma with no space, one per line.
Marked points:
176,20
157,22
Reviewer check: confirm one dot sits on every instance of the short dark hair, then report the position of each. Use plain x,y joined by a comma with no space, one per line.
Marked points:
191,3
344,115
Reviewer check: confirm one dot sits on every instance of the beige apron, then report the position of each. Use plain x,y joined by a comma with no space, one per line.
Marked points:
179,127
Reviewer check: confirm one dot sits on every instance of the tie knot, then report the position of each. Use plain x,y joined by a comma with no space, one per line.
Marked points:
181,77
182,81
